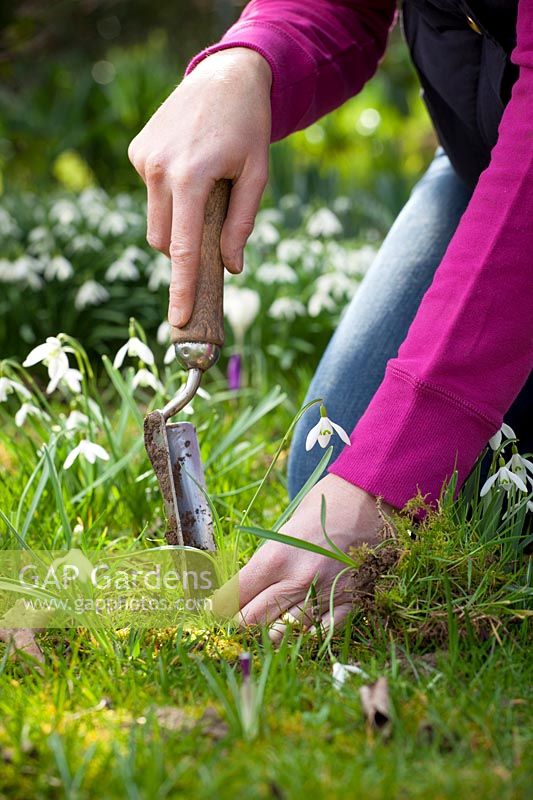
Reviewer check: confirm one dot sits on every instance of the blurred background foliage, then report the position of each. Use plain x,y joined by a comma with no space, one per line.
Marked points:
79,78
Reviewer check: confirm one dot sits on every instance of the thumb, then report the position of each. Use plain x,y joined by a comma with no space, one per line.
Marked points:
244,201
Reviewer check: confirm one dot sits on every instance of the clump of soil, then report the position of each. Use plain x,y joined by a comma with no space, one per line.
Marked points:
156,444
375,563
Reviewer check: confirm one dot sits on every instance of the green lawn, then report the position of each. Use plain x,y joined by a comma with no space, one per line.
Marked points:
158,713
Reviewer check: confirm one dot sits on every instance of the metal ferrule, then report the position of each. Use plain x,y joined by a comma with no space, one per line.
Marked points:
196,355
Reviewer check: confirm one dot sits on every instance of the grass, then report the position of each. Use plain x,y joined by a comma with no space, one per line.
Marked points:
159,713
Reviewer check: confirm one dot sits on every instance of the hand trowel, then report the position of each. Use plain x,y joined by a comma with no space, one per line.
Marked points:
173,446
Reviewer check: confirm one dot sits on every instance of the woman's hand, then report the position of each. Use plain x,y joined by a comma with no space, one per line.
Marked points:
215,125
277,578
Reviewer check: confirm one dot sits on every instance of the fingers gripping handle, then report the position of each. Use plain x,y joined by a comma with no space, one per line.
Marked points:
207,319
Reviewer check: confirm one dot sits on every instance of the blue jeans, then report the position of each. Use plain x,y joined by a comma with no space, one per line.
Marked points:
378,317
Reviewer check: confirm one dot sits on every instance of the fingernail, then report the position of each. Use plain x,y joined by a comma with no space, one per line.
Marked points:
175,317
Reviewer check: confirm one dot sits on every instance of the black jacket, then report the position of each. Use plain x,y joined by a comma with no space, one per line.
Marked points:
461,51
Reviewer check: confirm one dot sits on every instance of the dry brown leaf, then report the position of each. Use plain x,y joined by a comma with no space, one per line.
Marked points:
376,704
22,640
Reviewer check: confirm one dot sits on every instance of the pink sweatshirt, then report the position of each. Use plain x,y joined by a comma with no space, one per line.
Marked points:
469,349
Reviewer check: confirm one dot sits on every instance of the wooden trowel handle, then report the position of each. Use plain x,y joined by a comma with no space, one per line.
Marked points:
207,319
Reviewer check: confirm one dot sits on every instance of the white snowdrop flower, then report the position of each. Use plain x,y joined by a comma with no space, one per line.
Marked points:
22,269
264,234
319,302
54,357
290,250
522,467
58,268
88,450
8,226
26,410
276,273
163,332
496,440
272,215
93,195
286,308
72,380
289,202
146,379
503,478
241,306
114,224
335,284
342,204
95,409
8,386
170,355
40,240
84,243
358,262
323,431
323,223
91,293
134,348
134,253
75,420
159,273
530,506
123,270
64,212
34,281
340,672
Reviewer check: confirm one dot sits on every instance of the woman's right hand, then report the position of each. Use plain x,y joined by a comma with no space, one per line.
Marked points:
215,124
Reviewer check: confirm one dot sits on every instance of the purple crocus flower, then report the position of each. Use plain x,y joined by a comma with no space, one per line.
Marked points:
234,372
245,660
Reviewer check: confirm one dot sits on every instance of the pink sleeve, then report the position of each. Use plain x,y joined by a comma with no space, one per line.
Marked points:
321,52
469,350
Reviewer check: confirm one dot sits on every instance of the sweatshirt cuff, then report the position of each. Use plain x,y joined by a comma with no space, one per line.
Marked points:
411,439
288,61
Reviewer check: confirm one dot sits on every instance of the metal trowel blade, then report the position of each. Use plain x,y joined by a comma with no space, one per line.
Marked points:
175,456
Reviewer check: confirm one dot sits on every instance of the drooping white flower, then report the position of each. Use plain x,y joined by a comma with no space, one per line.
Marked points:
91,293
84,243
143,377
58,268
72,380
342,204
163,332
134,348
170,355
290,250
159,272
276,273
522,467
496,440
53,355
8,386
319,302
323,223
88,450
26,410
241,306
40,240
504,478
134,253
286,308
264,234
323,431
341,672
8,226
64,212
75,420
114,224
122,270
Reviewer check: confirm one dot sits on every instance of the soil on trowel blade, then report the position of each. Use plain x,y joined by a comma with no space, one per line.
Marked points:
157,449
